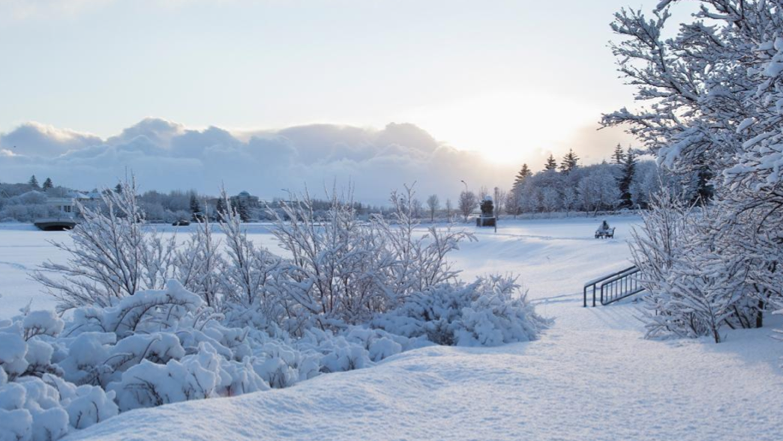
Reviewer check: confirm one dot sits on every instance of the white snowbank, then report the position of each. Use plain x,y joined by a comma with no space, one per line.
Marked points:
594,378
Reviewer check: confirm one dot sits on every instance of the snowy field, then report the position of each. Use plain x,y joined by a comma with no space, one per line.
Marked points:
590,377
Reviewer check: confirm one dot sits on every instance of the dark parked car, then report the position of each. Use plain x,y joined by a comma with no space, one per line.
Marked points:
181,223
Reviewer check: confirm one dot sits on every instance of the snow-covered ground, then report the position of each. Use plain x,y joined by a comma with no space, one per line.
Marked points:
590,377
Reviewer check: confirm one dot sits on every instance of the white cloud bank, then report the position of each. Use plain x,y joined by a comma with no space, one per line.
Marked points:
165,156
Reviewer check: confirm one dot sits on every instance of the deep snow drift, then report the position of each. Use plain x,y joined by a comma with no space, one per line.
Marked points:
591,376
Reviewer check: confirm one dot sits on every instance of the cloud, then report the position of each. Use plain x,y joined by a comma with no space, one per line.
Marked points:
166,156
34,139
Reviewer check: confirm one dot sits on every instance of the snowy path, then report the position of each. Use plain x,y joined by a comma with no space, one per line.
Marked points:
590,377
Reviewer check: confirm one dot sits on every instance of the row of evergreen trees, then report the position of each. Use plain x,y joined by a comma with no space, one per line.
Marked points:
47,185
626,160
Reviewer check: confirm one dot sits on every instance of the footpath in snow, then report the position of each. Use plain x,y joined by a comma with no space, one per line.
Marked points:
592,376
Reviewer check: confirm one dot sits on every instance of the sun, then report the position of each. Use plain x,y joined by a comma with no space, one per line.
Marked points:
506,127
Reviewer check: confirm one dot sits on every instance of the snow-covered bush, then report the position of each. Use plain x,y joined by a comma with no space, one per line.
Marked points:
112,255
488,312
698,277
205,374
343,271
35,403
151,324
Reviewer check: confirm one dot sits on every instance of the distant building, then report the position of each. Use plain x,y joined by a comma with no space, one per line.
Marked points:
245,199
64,206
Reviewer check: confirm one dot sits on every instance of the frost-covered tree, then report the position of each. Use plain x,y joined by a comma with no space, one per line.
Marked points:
467,203
550,199
647,181
713,92
569,199
433,204
500,198
33,182
417,208
513,203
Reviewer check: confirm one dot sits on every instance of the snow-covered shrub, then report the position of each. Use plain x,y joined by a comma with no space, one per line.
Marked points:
336,266
112,255
699,270
488,312
150,324
250,277
343,271
198,265
86,405
35,403
205,374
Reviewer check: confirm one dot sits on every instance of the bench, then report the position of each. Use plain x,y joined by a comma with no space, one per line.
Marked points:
600,234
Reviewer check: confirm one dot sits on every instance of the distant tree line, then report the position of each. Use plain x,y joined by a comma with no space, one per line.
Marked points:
624,183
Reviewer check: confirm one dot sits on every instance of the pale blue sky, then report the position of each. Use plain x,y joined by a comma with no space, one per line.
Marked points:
511,79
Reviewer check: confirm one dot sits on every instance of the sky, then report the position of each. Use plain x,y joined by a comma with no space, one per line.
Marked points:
489,85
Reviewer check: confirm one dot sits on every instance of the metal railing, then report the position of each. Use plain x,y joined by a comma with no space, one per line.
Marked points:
615,286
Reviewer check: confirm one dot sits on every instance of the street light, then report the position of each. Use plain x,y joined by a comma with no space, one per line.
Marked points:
466,185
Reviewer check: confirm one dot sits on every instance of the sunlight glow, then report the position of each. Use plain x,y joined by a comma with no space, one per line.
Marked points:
506,126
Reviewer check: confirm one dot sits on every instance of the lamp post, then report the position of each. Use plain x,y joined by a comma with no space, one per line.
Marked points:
466,185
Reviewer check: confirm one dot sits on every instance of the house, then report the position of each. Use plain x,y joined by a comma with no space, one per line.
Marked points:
64,206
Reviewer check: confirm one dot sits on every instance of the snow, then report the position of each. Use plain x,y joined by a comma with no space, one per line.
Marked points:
590,376
576,383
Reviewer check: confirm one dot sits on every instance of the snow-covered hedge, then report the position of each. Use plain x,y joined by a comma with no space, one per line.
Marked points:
487,312
150,323
35,402
153,349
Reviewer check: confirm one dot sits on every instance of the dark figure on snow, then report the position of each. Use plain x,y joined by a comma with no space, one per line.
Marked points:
604,231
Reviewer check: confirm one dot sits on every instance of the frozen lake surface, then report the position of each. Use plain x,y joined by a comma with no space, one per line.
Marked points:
537,250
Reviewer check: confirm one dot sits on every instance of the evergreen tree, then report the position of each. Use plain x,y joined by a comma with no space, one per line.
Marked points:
626,178
33,182
618,156
524,172
570,162
551,163
118,188
195,207
48,184
220,208
243,211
